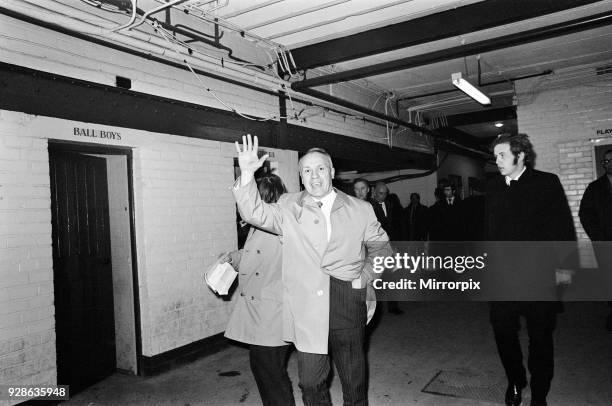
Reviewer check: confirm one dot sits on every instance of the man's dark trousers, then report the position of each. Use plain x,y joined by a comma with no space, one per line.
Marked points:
541,320
347,320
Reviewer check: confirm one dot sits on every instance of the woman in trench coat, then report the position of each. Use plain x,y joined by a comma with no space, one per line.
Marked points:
257,315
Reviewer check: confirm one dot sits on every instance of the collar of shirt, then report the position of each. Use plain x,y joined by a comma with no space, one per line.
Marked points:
327,200
508,178
450,200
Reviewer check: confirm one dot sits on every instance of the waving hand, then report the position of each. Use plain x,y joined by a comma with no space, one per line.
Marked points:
247,158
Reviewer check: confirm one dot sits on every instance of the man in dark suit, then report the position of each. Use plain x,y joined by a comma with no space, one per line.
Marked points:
415,220
388,213
445,216
524,204
596,218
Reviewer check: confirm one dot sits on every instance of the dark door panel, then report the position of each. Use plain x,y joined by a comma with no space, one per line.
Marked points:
85,326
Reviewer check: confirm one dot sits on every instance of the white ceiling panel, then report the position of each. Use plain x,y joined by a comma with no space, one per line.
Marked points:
295,23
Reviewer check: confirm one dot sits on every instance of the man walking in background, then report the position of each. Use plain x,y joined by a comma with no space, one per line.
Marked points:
596,218
415,220
388,214
446,223
524,204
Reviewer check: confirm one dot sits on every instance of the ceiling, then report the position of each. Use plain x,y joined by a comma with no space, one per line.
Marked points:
402,52
409,48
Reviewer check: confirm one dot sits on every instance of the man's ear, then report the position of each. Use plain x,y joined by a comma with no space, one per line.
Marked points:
333,172
521,157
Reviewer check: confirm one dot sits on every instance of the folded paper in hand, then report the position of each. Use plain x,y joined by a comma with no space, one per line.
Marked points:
220,277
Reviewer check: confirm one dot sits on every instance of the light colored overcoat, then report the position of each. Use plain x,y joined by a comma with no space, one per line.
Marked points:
257,314
309,260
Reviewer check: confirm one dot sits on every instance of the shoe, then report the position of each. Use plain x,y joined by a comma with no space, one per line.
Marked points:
513,394
396,311
535,402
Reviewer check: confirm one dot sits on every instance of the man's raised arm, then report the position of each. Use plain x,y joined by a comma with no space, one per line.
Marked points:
252,208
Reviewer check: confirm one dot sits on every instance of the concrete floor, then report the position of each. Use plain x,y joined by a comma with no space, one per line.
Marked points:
406,353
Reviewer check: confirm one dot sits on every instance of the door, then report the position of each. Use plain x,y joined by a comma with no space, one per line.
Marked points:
84,312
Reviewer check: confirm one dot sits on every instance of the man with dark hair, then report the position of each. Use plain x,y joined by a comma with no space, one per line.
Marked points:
446,223
524,204
596,218
325,270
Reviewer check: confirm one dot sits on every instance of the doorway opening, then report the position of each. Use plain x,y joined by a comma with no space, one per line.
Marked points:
94,263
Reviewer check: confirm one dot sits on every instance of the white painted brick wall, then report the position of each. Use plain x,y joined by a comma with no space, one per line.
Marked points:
560,115
188,218
185,216
27,335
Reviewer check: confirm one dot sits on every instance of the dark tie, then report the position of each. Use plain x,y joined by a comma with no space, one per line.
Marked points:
513,183
320,204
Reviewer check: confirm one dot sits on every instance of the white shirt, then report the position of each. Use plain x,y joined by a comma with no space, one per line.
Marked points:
327,204
508,178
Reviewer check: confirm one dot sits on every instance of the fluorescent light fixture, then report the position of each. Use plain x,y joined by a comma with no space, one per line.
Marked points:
499,125
469,89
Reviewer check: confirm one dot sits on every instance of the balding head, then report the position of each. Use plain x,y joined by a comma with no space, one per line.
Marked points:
381,191
317,172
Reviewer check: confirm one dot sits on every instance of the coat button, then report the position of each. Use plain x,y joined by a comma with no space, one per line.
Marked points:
241,294
316,221
258,251
252,297
256,273
319,293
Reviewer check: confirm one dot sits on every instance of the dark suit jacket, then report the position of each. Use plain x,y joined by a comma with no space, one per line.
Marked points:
533,209
391,223
596,210
445,221
473,218
536,209
415,229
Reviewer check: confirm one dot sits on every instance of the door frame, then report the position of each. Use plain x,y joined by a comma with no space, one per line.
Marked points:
81,147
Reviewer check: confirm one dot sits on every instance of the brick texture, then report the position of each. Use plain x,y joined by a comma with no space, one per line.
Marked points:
562,116
185,216
27,334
